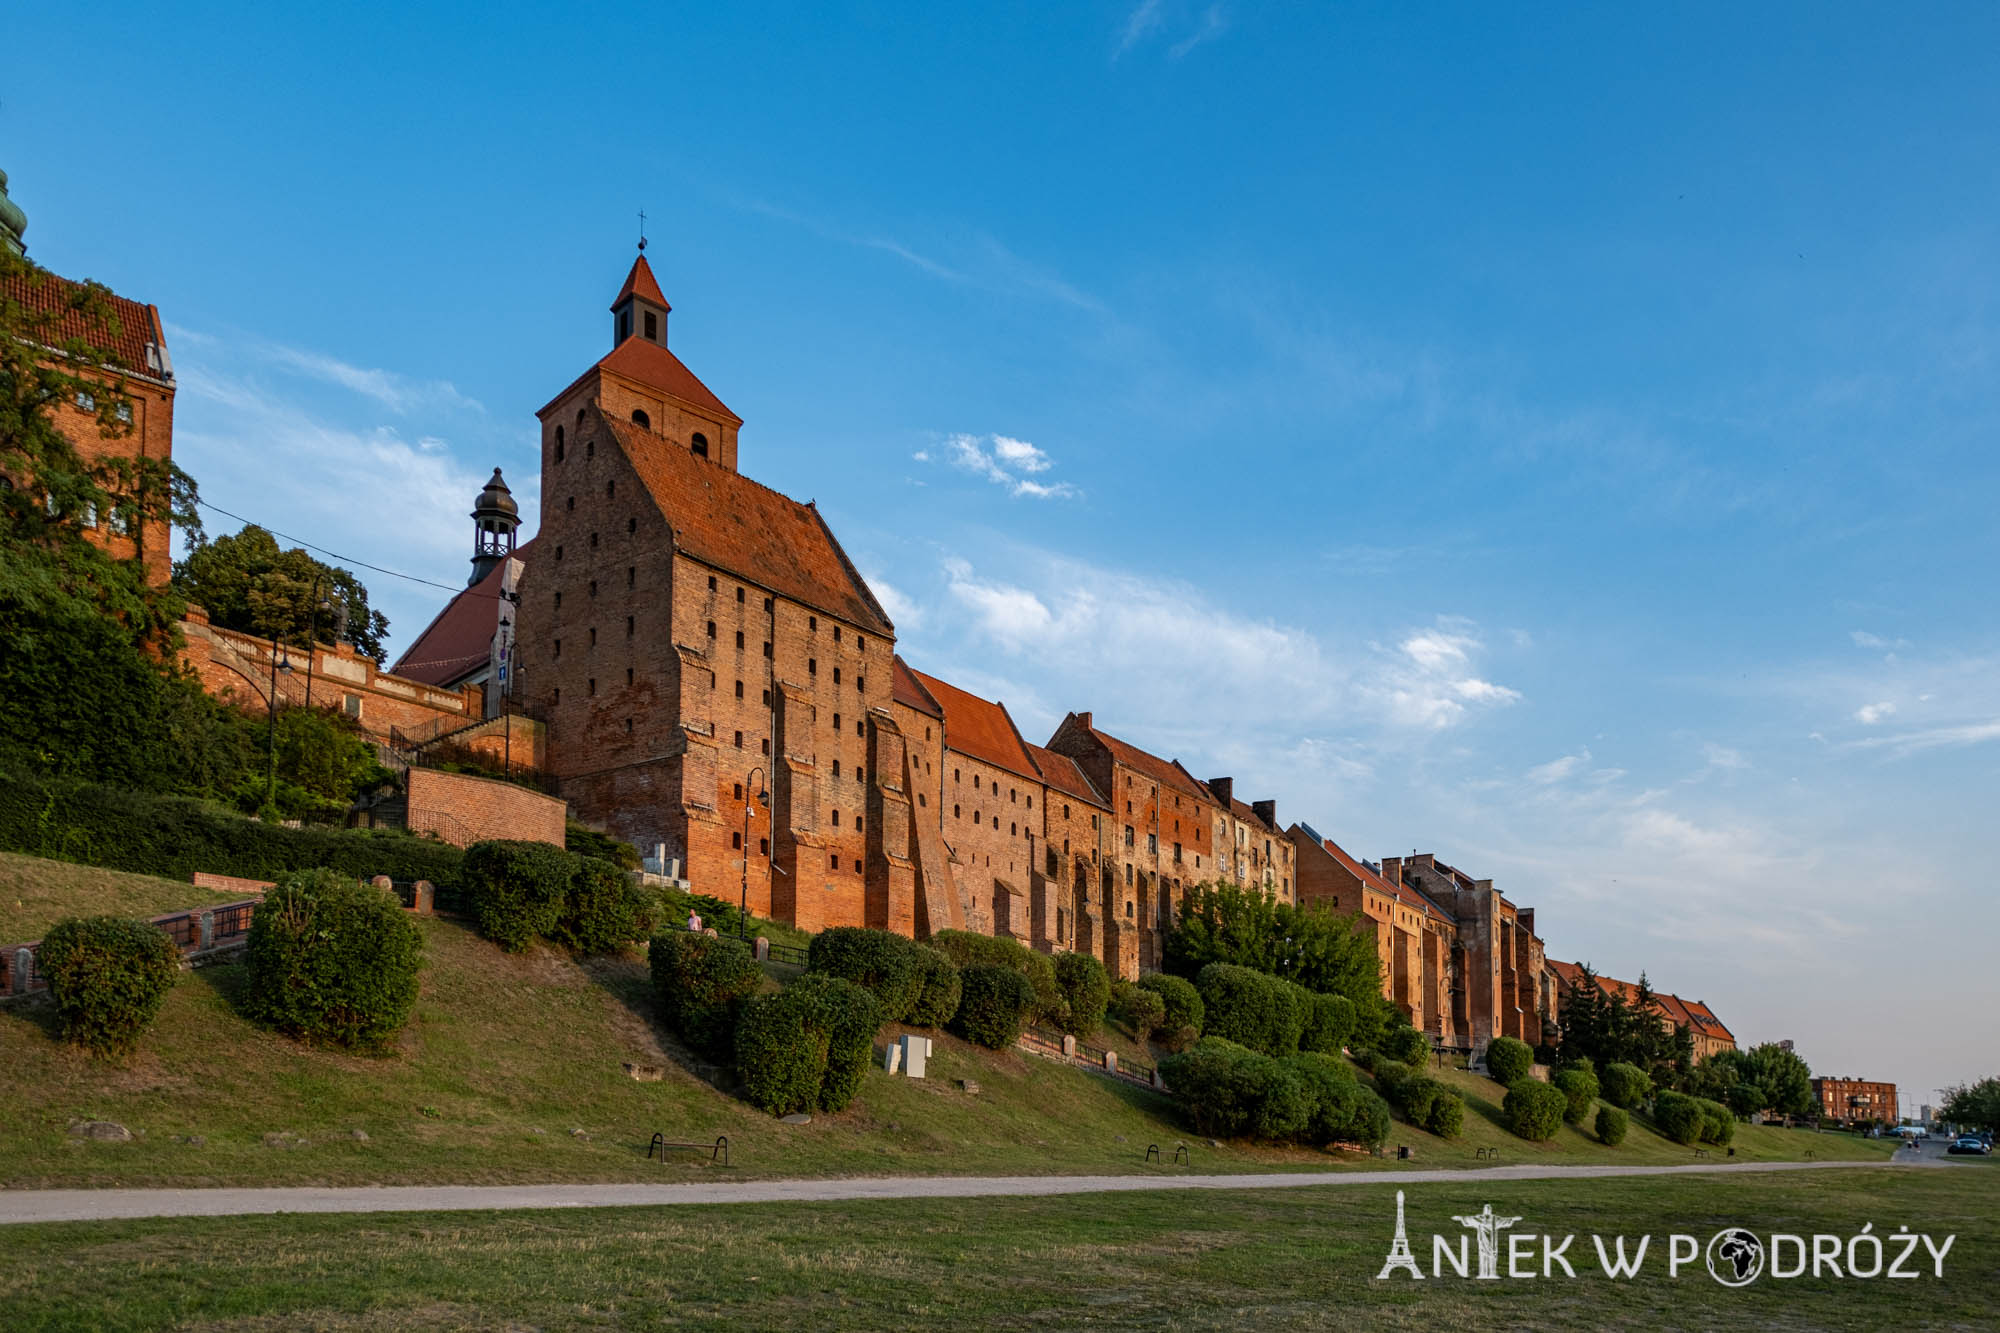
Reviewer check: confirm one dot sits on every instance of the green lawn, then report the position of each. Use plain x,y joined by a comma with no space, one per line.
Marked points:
35,894
1279,1259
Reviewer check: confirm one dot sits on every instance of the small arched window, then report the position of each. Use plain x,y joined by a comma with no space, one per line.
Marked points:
610,489
699,444
579,418
639,418
559,444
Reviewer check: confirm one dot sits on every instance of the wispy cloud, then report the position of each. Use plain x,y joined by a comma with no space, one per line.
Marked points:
1156,18
1001,459
1145,18
1904,744
401,394
1556,770
1214,22
1863,639
1869,714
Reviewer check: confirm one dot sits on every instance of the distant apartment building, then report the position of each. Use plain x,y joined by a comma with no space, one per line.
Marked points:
1856,1100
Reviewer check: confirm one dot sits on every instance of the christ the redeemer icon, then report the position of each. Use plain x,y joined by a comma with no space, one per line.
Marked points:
1489,1228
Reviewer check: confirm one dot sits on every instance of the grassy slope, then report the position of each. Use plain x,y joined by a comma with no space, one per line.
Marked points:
35,894
1231,1259
507,1055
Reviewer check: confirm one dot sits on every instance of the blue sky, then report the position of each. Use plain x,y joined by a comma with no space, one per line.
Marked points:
1561,441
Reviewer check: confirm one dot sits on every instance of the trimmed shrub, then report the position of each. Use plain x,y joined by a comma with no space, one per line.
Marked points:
1579,1088
584,840
1086,990
1611,1125
1329,1022
516,890
1371,1119
1534,1110
1624,1086
1718,1123
1446,1116
937,990
702,983
994,1005
1405,1045
108,977
966,949
1390,1077
1233,1092
175,836
781,1053
1145,1011
603,909
1182,1024
1746,1099
880,962
849,1015
1678,1116
1508,1060
1251,1008
332,959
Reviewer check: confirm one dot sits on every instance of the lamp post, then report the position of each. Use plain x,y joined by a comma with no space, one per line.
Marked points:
753,779
271,735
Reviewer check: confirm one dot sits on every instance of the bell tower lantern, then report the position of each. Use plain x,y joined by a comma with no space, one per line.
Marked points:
640,310
495,517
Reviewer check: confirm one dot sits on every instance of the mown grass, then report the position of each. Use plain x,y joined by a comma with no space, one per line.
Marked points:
1294,1258
35,894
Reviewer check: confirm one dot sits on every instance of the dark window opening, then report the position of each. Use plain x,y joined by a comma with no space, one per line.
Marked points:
699,444
639,418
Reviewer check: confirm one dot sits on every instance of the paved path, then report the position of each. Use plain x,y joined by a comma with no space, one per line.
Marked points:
100,1204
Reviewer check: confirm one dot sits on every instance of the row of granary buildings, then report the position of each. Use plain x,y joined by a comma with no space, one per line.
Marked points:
699,667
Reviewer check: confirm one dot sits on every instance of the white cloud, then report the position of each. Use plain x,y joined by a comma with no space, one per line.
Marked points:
1933,738
922,455
1863,639
1000,464
904,612
1144,19
1214,22
1870,714
1557,769
1721,756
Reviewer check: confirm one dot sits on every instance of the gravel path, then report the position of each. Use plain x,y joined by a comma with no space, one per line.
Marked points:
100,1204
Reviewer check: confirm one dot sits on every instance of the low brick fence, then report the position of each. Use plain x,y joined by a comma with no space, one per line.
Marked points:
198,932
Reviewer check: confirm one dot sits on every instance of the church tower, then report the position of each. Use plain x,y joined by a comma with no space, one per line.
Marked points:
495,517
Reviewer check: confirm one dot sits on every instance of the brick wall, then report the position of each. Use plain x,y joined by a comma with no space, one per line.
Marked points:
150,437
463,809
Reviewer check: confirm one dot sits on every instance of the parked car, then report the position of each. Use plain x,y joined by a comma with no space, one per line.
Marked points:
1970,1144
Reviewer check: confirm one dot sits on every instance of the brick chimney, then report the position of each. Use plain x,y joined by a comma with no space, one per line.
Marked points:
1266,811
1392,869
1224,789
1083,720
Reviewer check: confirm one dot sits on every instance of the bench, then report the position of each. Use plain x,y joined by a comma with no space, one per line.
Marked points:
717,1151
1180,1154
1486,1153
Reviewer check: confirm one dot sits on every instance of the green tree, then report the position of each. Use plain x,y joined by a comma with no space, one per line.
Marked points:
1322,951
1973,1105
246,583
1784,1079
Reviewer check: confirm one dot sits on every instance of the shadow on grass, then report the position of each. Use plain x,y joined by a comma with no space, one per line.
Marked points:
626,979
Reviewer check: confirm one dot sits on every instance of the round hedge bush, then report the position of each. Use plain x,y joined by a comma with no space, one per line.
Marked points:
994,1005
1446,1116
1624,1086
332,959
1251,1008
702,983
1329,1023
1144,1011
780,1053
1611,1125
602,910
1678,1116
1405,1045
1579,1089
967,948
1086,990
1508,1060
1390,1077
849,1015
1718,1123
937,990
1534,1110
1181,1026
516,889
108,977
1230,1091
879,961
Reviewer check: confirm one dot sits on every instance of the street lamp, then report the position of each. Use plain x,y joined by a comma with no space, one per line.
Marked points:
755,779
271,736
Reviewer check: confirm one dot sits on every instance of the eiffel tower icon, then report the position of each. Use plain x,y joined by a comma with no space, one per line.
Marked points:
1399,1249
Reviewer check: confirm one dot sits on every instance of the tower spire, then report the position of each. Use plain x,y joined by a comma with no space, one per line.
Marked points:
639,310
495,517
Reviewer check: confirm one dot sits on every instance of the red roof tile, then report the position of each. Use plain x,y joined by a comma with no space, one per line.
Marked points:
979,727
1400,892
725,520
639,282
653,365
905,690
123,328
458,641
1162,771
1062,774
1691,1014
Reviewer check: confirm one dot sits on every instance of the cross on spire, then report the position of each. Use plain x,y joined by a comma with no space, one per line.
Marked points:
642,229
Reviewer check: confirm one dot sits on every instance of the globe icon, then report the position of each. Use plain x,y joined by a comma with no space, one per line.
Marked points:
1735,1257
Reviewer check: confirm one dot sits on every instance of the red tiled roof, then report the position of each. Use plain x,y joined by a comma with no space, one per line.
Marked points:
979,727
1062,774
905,690
1706,1020
639,282
122,328
1166,773
458,641
1691,1014
655,367
725,520
1401,893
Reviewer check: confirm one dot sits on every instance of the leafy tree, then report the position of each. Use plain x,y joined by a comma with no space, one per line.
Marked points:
1783,1079
55,494
246,583
1973,1105
1324,952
